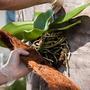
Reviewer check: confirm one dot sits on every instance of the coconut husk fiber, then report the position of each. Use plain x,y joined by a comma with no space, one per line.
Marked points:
53,79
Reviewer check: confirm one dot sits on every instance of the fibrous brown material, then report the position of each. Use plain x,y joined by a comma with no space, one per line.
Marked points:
34,61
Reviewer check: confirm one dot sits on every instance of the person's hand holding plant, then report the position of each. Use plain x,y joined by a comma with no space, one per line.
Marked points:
14,68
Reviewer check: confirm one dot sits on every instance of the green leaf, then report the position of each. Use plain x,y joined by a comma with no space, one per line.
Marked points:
17,85
36,14
71,14
70,26
17,28
43,20
33,34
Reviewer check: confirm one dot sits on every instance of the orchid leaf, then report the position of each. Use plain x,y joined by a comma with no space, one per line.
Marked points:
17,28
70,26
43,20
36,14
33,34
66,25
71,14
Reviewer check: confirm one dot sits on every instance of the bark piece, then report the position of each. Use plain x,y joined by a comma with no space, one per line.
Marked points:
52,78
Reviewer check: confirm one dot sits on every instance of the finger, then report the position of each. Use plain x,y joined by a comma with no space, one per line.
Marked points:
21,51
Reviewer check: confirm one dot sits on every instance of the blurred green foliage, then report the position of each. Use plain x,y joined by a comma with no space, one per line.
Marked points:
17,85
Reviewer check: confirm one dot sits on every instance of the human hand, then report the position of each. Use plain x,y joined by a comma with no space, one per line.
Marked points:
14,68
56,5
